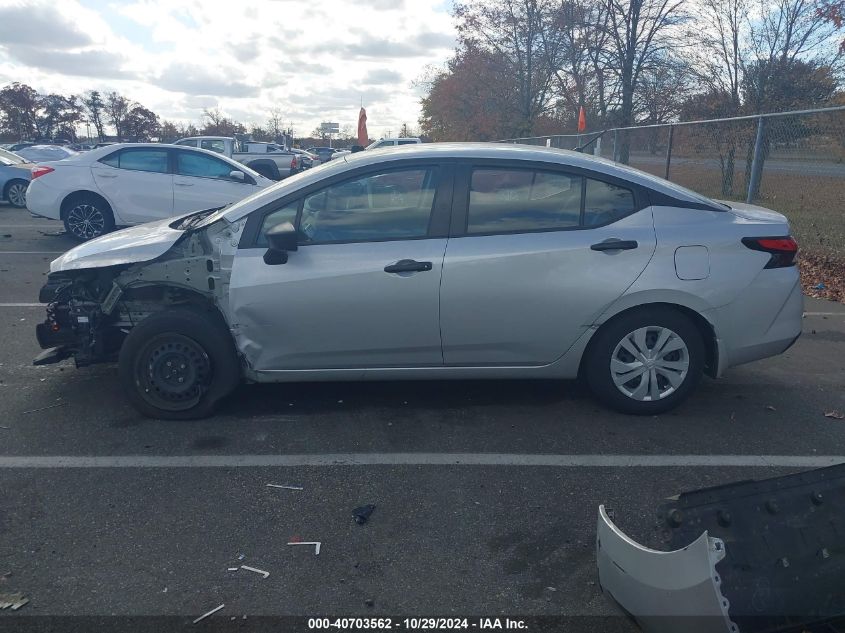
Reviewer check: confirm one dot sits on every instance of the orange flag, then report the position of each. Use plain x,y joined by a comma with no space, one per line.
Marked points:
363,136
582,120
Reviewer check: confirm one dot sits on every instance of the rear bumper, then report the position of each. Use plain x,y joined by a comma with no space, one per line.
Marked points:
43,201
763,321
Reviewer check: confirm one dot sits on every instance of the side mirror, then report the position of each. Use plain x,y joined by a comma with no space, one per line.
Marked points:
282,239
237,175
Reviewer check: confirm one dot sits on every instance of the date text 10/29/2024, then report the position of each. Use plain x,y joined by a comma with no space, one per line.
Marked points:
417,624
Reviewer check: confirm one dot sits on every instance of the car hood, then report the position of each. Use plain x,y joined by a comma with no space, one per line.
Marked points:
136,244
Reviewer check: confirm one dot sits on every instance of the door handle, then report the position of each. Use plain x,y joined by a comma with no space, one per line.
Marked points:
184,184
615,245
407,266
107,175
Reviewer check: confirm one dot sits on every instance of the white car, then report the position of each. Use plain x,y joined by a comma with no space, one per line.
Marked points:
393,142
132,183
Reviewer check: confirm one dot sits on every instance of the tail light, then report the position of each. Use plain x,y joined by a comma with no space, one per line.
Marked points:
293,163
781,249
40,170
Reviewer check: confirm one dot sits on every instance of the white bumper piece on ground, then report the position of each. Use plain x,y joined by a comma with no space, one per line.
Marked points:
666,592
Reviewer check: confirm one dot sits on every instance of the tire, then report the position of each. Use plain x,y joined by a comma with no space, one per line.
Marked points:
15,193
87,216
670,375
178,364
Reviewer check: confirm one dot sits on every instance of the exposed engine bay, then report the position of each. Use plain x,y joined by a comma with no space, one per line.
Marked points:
91,310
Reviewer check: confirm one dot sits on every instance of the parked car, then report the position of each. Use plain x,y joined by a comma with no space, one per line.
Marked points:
38,153
20,146
14,178
544,264
11,156
307,160
393,142
324,153
132,183
270,160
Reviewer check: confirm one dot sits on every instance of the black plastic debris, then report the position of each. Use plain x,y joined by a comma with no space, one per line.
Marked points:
784,565
363,513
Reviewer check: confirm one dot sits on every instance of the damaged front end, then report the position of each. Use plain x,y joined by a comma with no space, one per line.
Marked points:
96,293
747,557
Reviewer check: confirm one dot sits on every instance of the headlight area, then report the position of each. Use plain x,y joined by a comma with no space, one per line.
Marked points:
76,323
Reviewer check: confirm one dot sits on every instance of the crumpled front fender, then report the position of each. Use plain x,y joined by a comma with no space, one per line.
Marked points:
666,592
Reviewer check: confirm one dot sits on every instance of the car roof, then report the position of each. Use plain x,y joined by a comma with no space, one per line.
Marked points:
472,151
96,154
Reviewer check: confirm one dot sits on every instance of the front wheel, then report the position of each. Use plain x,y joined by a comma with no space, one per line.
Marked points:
178,364
647,362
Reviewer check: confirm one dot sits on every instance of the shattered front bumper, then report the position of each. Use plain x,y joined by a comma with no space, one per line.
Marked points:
747,557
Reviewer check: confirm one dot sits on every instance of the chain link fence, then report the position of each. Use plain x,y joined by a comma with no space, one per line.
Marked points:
792,162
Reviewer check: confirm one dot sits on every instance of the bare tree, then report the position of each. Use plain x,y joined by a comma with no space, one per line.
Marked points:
639,32
525,35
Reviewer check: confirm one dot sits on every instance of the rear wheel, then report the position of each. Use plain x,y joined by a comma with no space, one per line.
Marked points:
87,216
16,193
646,362
178,364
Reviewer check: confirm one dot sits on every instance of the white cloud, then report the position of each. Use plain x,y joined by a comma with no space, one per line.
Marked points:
314,62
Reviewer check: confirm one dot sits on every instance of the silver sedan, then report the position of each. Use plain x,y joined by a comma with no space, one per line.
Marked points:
438,262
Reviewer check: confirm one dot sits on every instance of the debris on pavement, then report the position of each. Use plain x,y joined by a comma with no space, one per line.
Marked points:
836,415
362,514
285,487
316,545
52,406
370,602
241,556
232,568
266,574
13,600
212,612
770,408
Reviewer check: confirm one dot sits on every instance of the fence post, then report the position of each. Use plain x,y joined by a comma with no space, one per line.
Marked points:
756,164
669,149
615,144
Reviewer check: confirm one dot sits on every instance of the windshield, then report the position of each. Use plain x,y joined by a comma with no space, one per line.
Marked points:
279,189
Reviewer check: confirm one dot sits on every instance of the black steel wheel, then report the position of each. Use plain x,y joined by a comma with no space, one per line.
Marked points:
179,363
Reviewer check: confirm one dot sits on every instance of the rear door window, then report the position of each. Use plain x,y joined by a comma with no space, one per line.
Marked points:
152,160
522,200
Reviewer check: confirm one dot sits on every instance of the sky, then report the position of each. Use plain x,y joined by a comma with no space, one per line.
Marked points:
313,60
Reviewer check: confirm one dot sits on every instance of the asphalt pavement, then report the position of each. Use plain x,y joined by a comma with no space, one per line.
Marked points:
486,493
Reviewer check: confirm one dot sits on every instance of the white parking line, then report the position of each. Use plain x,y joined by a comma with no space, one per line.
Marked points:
23,305
418,459
56,226
842,314
31,252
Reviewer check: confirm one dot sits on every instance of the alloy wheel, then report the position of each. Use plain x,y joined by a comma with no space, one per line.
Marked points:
17,194
650,363
86,221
